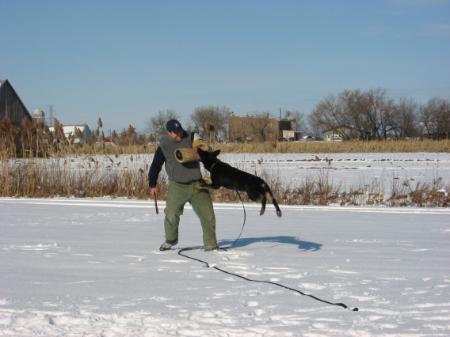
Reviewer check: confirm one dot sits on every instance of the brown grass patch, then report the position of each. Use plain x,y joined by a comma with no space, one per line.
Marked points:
339,147
55,178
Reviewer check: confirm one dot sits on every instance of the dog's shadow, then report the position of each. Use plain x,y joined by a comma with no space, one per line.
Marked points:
290,240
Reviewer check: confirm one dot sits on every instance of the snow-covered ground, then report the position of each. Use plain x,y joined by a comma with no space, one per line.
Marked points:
378,171
91,267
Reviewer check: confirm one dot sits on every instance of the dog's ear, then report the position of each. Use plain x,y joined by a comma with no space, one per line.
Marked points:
216,153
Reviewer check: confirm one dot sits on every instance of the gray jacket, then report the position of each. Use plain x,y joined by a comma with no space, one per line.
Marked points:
180,173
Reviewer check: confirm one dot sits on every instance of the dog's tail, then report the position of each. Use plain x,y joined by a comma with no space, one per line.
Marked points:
274,201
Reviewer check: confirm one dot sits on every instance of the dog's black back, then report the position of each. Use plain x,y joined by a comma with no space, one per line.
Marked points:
224,175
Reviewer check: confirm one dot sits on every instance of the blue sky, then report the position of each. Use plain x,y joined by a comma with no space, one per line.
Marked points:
126,60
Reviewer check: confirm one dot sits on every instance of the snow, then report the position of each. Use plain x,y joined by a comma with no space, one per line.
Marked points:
378,171
91,267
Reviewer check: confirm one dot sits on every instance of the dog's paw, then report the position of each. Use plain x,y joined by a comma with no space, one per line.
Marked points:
207,180
201,186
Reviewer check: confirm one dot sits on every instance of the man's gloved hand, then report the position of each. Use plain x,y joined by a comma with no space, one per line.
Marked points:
153,191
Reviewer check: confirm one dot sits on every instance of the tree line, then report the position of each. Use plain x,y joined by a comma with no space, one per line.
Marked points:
213,122
353,114
372,114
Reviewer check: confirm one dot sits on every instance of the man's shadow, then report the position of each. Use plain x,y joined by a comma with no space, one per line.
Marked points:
290,240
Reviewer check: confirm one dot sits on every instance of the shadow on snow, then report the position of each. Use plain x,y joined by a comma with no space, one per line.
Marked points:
290,240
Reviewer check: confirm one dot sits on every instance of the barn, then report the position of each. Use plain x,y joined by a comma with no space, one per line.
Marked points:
11,106
13,116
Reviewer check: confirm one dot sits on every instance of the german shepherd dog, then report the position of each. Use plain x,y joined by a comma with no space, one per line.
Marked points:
224,175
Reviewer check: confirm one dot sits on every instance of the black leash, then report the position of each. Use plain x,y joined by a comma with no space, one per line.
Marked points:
243,224
181,253
156,203
182,250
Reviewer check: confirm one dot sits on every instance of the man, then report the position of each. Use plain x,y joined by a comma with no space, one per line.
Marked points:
182,179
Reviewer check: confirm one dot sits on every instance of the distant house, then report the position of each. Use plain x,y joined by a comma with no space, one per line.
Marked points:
252,128
108,141
11,106
261,128
287,129
76,134
287,135
333,136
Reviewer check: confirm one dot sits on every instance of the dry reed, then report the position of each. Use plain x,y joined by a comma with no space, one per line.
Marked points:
339,147
272,147
34,178
55,178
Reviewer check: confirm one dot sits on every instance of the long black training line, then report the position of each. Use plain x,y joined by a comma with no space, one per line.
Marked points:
243,224
181,253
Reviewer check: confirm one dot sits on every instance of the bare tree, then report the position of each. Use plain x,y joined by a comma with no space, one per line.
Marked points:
157,125
435,118
405,118
212,120
298,119
381,111
327,116
263,128
355,114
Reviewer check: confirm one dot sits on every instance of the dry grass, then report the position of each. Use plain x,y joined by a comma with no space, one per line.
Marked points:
48,178
44,178
320,191
102,149
419,194
339,147
34,140
270,147
39,179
